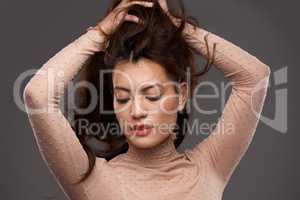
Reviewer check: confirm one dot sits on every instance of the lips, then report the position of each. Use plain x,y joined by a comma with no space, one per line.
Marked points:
140,126
141,129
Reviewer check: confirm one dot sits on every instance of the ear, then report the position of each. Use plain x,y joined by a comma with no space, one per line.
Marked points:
183,95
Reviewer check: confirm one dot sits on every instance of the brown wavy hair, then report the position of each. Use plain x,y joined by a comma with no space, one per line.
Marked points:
156,38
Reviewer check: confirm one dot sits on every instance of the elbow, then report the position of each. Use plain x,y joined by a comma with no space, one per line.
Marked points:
260,72
258,69
31,98
265,71
261,76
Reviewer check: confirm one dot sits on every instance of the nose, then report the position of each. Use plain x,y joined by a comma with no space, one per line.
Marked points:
137,111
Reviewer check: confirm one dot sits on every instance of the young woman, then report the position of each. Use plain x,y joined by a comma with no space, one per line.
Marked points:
150,50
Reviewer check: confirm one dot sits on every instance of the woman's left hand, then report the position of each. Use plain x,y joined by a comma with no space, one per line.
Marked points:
164,5
189,29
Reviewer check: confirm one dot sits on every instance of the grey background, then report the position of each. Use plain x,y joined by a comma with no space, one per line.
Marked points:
32,31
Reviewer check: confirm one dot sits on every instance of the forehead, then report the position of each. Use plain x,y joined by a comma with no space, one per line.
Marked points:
134,75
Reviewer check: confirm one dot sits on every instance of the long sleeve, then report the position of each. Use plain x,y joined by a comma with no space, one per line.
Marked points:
58,144
222,150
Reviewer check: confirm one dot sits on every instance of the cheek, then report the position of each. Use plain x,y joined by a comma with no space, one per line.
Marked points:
119,109
122,117
121,114
169,105
123,122
167,113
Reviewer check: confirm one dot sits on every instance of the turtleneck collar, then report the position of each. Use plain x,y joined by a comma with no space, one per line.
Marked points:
158,155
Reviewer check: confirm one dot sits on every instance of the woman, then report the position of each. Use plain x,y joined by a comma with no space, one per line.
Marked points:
149,48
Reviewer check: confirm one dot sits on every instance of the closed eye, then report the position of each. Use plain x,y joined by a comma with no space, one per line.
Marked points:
122,101
154,98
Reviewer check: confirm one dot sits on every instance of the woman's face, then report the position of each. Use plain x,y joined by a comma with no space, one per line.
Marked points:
143,94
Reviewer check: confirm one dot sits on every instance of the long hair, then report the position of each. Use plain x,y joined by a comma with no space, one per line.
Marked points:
158,39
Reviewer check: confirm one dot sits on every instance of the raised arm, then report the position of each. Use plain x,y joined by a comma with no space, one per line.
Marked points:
227,143
58,144
56,140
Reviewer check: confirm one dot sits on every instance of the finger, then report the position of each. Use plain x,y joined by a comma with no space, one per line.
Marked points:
142,3
163,4
132,18
124,7
122,3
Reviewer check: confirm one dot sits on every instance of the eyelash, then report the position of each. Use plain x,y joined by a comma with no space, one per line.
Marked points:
123,101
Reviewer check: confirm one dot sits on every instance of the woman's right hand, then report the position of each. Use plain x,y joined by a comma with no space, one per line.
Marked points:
109,24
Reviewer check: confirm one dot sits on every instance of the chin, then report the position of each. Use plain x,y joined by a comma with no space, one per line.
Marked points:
146,142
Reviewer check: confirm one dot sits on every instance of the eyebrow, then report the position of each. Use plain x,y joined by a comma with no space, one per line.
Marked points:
144,89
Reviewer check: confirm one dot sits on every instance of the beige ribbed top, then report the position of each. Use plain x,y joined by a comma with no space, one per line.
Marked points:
160,173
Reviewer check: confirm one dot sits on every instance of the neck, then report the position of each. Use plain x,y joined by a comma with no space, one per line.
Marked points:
162,153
